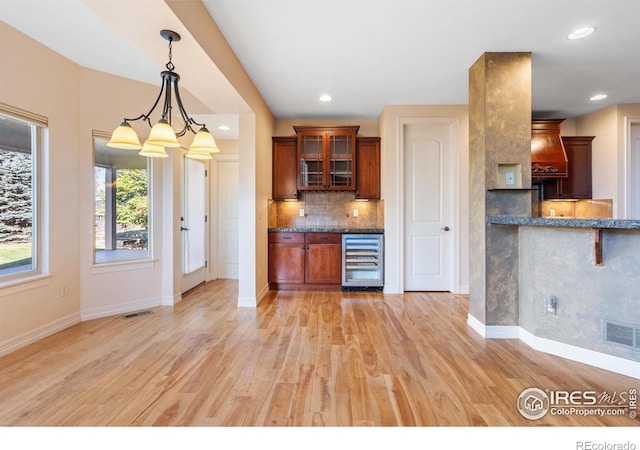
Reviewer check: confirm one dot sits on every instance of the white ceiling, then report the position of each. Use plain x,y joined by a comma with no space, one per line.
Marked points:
365,53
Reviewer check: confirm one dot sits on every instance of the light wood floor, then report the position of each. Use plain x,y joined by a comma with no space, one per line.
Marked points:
299,359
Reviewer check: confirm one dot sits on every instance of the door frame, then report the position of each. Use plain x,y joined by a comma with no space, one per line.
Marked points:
454,186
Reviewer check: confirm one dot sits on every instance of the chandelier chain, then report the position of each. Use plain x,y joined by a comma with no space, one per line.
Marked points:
170,66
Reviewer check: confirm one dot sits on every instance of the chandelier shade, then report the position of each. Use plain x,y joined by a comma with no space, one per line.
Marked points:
203,141
198,154
153,151
162,134
124,137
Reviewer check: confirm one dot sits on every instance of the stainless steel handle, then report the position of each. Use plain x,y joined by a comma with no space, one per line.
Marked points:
184,229
445,228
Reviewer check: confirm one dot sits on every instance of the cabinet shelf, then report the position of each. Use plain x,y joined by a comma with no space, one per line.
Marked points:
332,152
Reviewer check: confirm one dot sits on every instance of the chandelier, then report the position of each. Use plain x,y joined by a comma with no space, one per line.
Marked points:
162,134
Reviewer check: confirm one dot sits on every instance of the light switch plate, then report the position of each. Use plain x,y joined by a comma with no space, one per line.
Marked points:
510,179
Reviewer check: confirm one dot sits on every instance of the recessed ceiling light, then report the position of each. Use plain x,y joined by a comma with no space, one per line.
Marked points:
598,97
325,98
224,127
581,32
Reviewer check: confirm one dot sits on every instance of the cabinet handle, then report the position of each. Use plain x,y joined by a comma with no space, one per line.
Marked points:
286,238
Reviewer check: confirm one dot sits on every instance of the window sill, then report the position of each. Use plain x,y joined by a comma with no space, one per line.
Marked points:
118,266
24,284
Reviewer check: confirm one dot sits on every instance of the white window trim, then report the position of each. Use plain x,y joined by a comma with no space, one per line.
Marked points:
37,276
128,264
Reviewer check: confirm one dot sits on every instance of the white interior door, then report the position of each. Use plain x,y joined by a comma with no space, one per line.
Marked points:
428,235
194,224
228,179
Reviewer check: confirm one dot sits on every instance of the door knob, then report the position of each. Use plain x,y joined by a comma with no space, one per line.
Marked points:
184,229
445,228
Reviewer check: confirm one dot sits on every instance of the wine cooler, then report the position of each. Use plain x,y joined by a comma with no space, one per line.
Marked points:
362,261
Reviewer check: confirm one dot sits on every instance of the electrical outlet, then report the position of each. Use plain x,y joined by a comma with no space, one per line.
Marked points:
550,304
63,290
510,179
355,212
301,212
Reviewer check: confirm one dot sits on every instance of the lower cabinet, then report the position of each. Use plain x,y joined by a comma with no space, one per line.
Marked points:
286,258
305,260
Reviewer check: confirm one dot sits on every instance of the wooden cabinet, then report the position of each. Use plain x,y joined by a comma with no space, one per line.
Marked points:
305,260
286,258
284,168
323,258
578,182
326,158
368,168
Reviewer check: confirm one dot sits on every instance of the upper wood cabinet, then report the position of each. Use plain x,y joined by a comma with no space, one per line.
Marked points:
577,185
326,158
368,168
285,163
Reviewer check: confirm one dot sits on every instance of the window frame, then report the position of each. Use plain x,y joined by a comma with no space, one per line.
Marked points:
39,142
115,264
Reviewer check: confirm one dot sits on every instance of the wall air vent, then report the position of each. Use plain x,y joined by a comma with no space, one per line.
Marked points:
620,333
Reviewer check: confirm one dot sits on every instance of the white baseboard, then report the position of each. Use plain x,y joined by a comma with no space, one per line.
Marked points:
463,289
22,340
120,308
582,355
391,289
171,301
567,351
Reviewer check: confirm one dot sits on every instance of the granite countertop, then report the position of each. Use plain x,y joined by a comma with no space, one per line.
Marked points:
565,222
327,230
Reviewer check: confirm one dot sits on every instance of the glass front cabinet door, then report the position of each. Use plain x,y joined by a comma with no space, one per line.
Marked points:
326,158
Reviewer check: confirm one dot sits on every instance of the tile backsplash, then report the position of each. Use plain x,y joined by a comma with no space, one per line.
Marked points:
578,209
326,209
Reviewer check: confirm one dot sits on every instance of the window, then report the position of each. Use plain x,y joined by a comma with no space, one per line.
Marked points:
21,140
121,198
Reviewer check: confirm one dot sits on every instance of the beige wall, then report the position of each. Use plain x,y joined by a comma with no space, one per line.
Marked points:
46,84
76,102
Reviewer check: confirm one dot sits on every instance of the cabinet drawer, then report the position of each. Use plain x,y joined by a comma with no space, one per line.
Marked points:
286,238
324,238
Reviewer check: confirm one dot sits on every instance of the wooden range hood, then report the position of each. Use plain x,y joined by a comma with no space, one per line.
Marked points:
548,156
